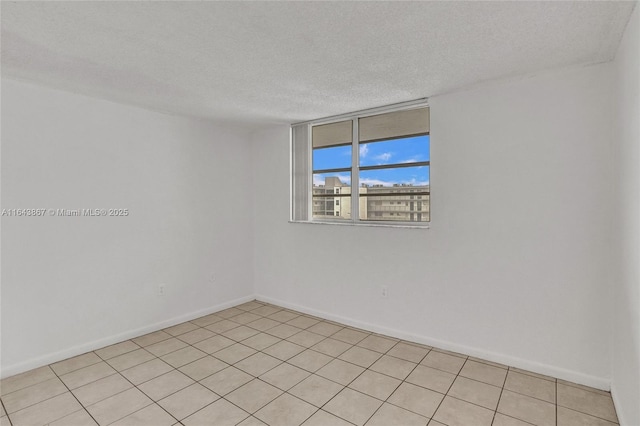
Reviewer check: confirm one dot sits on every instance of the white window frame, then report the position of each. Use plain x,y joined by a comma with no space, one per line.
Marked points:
355,169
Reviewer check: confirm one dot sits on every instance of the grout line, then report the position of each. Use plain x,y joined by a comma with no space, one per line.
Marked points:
495,412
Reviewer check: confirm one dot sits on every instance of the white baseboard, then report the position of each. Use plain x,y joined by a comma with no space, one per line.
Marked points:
618,406
106,341
535,367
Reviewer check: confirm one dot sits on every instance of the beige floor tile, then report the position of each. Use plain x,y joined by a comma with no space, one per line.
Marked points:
78,418
165,385
151,338
86,375
286,410
476,392
101,389
251,421
261,341
258,364
196,336
24,398
484,361
265,310
117,349
118,406
331,347
531,386
130,359
245,318
250,306
353,406
529,373
214,344
567,417
230,312
26,379
166,346
226,380
457,354
340,371
375,384
592,403
349,335
150,415
377,343
283,350
502,420
322,418
2,412
388,415
525,408
431,378
188,400
417,399
220,413
310,360
183,356
583,387
182,328
454,412
234,353
75,363
46,411
303,322
207,320
445,362
285,376
283,316
316,390
284,331
203,367
324,328
238,334
4,421
360,356
254,395
263,324
306,338
484,373
394,367
146,371
222,326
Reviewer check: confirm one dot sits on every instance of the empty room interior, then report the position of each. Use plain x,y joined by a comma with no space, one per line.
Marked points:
225,213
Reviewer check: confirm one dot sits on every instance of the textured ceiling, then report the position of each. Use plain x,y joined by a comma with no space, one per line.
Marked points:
278,62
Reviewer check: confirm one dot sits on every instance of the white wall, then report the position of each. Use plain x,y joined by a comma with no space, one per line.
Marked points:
625,386
515,267
71,284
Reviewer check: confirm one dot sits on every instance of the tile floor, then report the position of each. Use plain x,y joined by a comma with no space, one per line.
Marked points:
259,364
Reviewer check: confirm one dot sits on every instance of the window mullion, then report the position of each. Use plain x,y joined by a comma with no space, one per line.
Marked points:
355,175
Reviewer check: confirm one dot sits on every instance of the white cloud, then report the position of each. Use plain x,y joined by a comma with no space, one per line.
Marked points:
384,156
364,150
413,182
319,180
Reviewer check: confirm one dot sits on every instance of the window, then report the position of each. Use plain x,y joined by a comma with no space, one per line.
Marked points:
370,164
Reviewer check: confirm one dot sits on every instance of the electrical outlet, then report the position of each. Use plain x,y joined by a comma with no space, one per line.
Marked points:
161,290
384,291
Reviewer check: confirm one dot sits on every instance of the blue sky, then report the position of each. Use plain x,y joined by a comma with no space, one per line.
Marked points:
407,150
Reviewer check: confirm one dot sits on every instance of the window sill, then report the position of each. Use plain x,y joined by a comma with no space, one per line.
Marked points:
368,224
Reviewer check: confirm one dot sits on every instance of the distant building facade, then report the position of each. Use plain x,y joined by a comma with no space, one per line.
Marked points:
405,203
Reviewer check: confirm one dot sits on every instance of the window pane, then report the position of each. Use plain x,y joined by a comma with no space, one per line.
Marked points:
396,194
397,151
332,196
332,158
